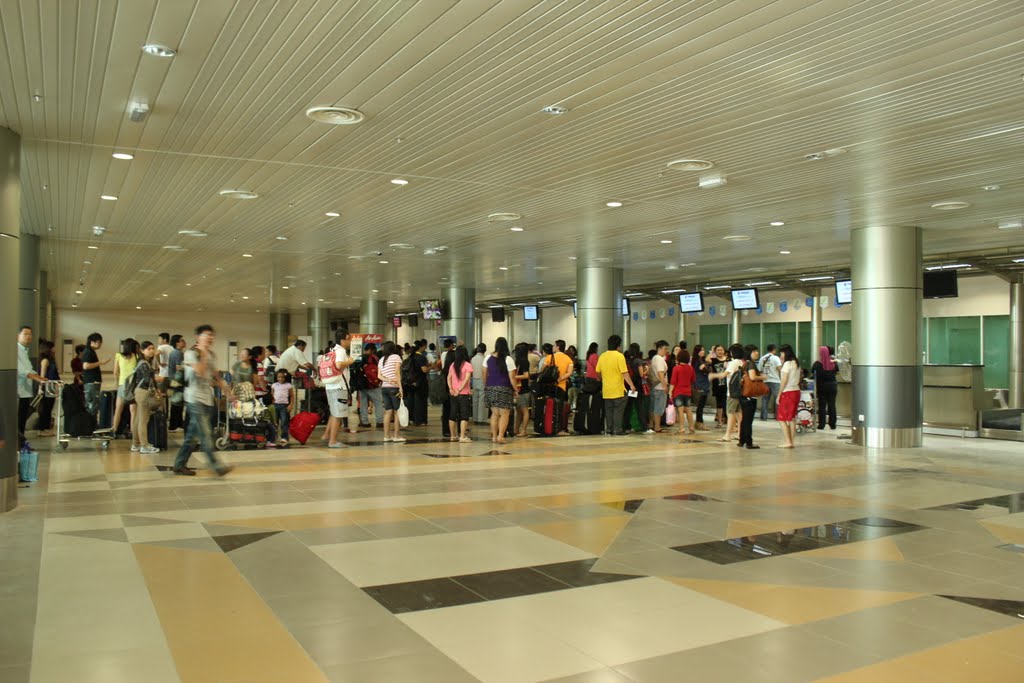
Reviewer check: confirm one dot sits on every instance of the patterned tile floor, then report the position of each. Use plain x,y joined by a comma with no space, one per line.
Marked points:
576,559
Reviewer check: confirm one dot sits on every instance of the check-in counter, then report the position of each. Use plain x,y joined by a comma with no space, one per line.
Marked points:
953,395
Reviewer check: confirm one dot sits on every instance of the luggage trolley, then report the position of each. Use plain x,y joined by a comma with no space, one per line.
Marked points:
806,412
73,421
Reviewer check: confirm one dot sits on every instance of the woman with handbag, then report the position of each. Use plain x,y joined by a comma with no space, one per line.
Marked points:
146,399
753,388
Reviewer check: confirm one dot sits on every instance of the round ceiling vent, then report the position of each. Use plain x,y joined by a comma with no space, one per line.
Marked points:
950,205
238,194
554,110
690,165
503,216
335,116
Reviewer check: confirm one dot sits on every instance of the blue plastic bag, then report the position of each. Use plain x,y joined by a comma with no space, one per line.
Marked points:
28,466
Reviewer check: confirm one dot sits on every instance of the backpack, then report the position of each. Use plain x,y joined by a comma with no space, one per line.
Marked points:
372,373
130,385
327,367
736,383
409,372
357,379
549,375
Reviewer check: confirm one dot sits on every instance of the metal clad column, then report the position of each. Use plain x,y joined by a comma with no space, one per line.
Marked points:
10,314
817,333
887,387
373,316
280,323
28,286
43,297
461,314
598,305
1016,397
737,326
318,326
680,329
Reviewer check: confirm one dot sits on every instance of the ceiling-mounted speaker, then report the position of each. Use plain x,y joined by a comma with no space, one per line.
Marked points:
497,315
138,111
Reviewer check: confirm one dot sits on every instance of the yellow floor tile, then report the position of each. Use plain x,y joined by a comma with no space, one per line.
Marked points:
884,549
216,625
593,535
793,604
753,527
1007,534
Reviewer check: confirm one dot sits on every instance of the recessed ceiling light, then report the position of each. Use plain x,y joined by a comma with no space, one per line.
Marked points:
174,247
399,181
502,267
285,287
78,291
188,284
88,263
766,283
402,245
554,110
1011,224
123,155
614,205
281,238
391,302
138,308
949,266
503,216
302,303
147,271
192,233
158,50
719,287
666,241
108,197
990,188
74,305
245,298
672,291
737,238
572,258
690,165
164,295
246,255
816,278
238,194
1018,260
93,246
785,252
372,290
516,229
383,262
776,224
336,116
950,205
332,214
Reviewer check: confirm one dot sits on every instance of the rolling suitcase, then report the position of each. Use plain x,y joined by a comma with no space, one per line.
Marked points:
550,416
302,425
108,400
157,431
589,414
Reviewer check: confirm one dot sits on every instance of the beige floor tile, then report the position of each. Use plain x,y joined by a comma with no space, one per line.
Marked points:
592,535
166,532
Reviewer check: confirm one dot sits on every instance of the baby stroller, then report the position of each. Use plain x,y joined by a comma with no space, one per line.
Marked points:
807,408
248,424
73,420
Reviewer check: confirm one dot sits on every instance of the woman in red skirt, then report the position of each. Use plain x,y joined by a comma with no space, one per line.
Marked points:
789,395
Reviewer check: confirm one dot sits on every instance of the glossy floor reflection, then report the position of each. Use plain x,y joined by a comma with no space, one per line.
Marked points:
574,559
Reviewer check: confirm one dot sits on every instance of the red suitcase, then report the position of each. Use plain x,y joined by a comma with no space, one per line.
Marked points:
302,425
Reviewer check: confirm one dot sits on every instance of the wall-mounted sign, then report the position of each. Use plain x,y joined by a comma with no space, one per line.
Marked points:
824,301
809,301
760,310
783,306
636,315
771,307
671,311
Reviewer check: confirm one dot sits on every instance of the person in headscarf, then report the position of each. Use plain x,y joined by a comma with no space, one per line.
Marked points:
824,371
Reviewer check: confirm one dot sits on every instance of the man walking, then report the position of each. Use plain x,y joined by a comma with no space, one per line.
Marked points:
614,376
770,367
201,375
339,392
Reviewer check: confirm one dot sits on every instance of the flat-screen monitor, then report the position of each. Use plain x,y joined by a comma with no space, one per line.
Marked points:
414,320
497,315
529,312
941,284
430,309
625,307
691,302
396,322
844,291
745,299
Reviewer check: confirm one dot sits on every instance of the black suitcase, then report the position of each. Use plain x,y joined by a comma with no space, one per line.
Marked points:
589,414
108,401
157,432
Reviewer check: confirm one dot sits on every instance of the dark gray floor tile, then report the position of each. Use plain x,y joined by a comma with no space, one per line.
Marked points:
415,596
578,573
510,583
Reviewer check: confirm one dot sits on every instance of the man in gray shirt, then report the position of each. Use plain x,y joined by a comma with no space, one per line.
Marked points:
200,377
770,366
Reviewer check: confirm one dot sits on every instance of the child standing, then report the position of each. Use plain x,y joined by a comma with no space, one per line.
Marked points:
284,401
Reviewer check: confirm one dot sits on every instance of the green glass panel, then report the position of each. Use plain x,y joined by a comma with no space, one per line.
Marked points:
710,335
828,333
750,333
954,341
844,332
997,341
803,340
771,333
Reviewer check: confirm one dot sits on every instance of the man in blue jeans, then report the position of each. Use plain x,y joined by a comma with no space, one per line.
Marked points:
200,376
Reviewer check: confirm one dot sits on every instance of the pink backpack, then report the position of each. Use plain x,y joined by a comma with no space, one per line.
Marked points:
327,367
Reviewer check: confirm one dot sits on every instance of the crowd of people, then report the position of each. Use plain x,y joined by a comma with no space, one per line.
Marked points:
662,389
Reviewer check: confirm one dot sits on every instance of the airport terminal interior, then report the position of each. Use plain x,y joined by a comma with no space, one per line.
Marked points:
198,195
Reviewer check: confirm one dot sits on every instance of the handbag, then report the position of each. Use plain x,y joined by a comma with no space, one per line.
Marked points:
753,388
670,414
28,465
403,414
